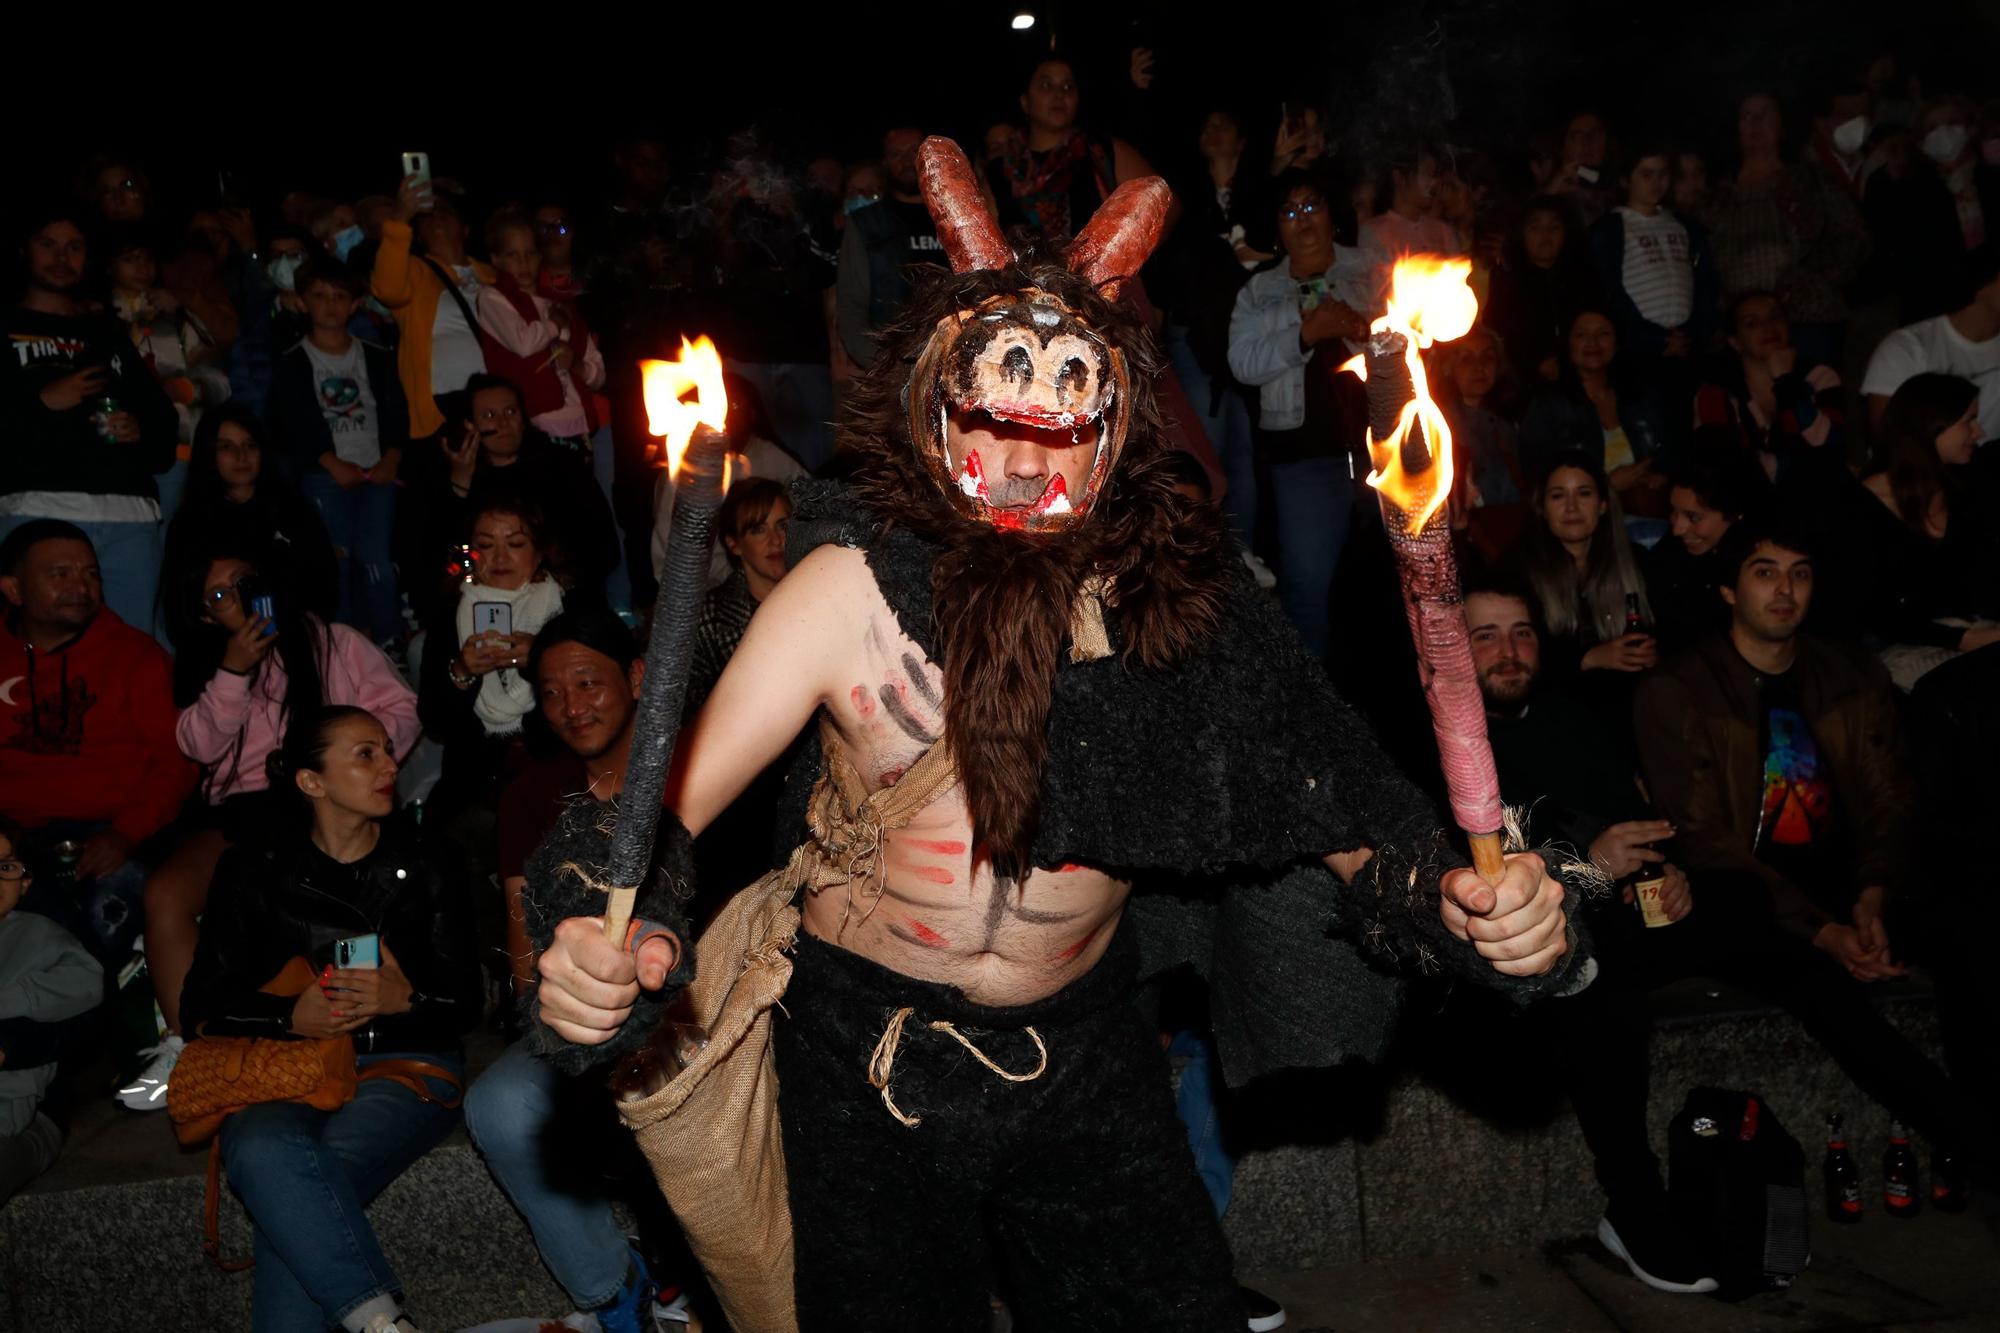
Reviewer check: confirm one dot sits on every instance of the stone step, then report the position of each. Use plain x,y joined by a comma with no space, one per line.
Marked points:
1456,1153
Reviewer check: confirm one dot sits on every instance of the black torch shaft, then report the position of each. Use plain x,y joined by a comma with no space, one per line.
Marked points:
669,653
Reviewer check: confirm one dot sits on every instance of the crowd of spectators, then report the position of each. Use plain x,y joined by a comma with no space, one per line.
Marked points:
325,518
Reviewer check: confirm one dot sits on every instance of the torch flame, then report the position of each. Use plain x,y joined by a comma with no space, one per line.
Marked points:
1429,302
665,385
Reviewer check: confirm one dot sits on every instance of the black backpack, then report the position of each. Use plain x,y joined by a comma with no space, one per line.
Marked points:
1736,1186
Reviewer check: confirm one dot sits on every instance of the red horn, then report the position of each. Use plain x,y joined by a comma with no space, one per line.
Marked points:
1121,233
951,192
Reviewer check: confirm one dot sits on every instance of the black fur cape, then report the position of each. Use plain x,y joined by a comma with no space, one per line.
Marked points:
1217,787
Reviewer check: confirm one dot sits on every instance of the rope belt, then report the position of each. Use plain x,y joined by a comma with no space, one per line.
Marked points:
882,1064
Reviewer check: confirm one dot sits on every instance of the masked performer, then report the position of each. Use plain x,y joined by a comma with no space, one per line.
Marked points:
1040,681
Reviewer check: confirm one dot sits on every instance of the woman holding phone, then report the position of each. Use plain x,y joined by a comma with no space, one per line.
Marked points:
475,691
249,659
341,881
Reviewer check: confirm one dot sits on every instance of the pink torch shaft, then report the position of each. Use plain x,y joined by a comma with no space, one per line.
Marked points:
1436,611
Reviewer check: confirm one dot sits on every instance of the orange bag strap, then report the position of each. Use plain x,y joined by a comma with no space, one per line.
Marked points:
211,1214
412,1073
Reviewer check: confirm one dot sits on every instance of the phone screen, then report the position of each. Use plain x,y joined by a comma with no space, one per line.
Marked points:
492,618
419,165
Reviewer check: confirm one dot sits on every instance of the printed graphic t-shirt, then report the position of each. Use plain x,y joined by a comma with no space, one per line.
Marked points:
1798,829
347,403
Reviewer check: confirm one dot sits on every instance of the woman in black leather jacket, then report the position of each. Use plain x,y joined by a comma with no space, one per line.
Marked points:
348,873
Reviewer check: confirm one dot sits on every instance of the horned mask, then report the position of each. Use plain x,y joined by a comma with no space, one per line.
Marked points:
1027,357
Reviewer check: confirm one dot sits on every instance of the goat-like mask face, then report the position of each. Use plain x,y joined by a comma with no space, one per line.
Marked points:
1025,372
1028,368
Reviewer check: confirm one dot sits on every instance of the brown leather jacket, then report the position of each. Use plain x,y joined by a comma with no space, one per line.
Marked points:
1698,726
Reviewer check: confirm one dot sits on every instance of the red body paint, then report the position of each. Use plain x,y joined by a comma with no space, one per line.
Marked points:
1075,949
929,874
927,935
939,846
863,704
1069,868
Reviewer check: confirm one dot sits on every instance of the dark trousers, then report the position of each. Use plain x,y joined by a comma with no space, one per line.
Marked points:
1603,1030
1072,1194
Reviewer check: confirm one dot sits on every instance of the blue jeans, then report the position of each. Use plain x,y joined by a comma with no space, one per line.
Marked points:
798,406
1195,1103
128,556
514,1114
1314,501
359,523
1226,418
306,1176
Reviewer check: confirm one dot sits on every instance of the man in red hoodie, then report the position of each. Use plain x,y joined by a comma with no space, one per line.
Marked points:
88,764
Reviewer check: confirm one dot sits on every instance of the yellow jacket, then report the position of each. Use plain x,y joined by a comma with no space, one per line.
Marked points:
411,290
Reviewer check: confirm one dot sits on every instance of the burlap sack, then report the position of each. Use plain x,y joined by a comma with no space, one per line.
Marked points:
712,1134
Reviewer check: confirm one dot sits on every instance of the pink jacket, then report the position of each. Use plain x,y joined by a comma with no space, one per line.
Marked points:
527,338
232,729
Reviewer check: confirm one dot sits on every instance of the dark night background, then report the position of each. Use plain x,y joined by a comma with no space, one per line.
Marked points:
521,104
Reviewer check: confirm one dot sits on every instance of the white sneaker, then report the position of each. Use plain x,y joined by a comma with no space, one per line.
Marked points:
148,1092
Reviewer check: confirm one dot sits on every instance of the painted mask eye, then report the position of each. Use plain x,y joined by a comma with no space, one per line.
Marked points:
1018,366
1074,376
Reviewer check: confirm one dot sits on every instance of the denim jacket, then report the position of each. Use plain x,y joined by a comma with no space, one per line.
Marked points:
1264,347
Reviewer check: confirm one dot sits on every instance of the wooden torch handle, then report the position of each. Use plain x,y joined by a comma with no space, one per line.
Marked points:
1487,858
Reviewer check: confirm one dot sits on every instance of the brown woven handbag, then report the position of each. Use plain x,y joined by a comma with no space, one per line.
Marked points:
217,1076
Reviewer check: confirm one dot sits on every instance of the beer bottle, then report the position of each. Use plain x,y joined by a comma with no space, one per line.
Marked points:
1843,1179
1635,623
1646,883
1900,1194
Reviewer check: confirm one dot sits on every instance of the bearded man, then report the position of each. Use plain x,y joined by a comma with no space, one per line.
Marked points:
1041,680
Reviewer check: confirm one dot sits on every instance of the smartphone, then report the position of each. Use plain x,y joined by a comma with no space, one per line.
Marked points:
1589,175
419,165
493,618
258,601
358,951
461,563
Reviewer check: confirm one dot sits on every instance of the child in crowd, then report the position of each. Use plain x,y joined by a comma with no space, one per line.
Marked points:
340,412
1655,268
45,977
178,347
541,344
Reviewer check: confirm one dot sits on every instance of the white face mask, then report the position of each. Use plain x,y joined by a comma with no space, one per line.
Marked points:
1850,134
1944,143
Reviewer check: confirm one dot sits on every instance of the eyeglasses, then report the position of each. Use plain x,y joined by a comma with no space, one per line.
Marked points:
12,870
217,596
552,229
1297,211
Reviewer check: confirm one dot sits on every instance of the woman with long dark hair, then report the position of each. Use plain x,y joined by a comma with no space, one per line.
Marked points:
1544,278
236,498
241,676
1926,553
1582,570
1596,408
1588,588
385,926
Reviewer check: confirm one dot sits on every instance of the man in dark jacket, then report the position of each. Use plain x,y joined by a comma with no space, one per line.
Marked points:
85,425
1779,760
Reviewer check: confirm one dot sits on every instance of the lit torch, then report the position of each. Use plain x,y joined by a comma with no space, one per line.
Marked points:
1429,302
690,432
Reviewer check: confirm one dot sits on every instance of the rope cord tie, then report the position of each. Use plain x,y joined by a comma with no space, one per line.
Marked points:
882,1064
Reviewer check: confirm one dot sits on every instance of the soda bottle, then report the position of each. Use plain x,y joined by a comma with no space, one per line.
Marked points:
1950,1190
1635,623
1843,1179
1900,1195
